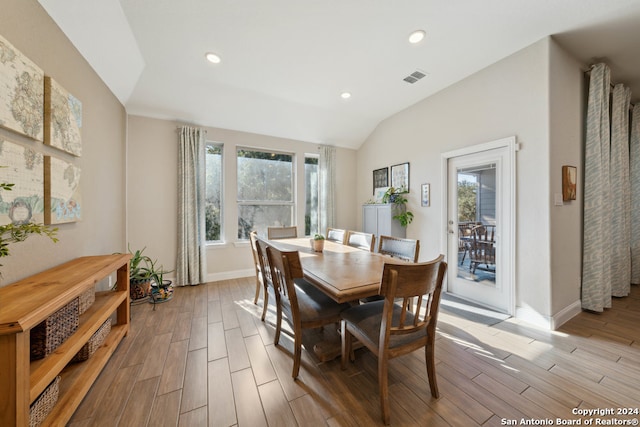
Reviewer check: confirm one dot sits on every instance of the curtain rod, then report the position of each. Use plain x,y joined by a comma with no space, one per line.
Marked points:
180,127
611,85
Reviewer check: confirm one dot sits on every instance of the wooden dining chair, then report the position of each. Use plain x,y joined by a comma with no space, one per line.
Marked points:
389,330
282,232
336,235
366,241
265,269
395,247
253,236
406,249
303,305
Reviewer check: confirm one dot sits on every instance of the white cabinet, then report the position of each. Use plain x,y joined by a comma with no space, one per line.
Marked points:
378,219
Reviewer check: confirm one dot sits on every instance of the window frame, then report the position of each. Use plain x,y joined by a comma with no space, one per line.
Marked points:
261,202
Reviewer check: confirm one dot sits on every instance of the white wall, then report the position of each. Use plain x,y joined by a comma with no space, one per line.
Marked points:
26,25
152,191
510,97
567,112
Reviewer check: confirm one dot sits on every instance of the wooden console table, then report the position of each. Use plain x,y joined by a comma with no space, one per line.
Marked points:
26,303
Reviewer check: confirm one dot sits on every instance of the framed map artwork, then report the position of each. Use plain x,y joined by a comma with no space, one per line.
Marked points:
22,167
21,93
61,191
62,118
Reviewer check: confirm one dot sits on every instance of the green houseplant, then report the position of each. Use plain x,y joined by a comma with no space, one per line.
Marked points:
397,198
144,275
19,232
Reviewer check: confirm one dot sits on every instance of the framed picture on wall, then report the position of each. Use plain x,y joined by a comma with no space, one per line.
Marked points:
569,179
425,195
400,176
380,179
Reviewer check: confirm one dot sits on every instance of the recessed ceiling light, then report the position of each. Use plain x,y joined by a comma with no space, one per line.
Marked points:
345,95
417,36
212,57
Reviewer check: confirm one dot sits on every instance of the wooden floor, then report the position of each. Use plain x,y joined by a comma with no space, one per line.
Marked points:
205,358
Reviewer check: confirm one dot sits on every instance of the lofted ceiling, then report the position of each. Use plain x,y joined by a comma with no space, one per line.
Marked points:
286,62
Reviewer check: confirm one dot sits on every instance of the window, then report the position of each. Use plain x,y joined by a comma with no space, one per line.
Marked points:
213,195
311,214
265,191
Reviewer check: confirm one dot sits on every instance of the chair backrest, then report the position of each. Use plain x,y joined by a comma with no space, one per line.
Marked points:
253,237
360,240
406,249
265,267
282,232
485,232
405,282
336,235
285,267
483,250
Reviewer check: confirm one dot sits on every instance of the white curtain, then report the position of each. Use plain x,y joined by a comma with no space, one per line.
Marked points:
610,180
191,264
596,252
620,193
634,158
327,180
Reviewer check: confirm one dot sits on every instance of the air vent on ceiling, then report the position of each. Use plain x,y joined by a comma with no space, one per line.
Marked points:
415,76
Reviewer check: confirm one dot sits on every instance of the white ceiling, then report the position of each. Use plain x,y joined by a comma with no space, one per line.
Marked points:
285,62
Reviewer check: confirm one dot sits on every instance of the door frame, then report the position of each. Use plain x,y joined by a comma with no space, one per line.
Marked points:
509,251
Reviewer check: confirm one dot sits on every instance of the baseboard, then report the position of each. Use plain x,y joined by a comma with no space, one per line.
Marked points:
226,275
566,314
550,323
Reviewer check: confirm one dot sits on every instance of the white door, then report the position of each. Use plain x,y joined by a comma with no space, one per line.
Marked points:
480,224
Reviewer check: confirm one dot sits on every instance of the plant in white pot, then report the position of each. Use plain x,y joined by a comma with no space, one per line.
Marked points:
317,243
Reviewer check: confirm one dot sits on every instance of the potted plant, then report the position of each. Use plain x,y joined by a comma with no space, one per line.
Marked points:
146,279
317,243
396,196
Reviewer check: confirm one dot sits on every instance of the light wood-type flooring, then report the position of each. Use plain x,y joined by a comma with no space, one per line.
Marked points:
205,358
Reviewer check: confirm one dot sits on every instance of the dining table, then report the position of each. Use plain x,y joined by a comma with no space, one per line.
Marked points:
344,273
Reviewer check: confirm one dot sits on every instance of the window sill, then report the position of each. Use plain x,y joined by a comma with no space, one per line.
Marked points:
225,245
217,245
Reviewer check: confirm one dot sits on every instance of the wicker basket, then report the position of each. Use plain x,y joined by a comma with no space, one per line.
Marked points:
94,342
48,335
86,300
44,403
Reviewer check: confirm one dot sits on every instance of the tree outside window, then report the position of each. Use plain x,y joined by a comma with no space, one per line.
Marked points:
265,191
467,200
311,213
213,195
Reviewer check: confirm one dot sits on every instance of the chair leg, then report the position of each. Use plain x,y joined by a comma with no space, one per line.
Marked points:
297,354
276,338
258,285
266,303
383,381
429,354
